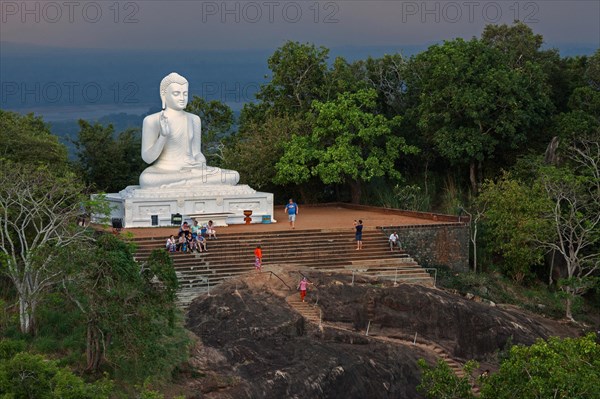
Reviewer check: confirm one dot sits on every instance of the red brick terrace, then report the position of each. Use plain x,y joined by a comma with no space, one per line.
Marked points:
334,216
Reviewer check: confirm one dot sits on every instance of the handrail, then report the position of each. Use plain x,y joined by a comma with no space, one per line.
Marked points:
434,274
427,269
274,274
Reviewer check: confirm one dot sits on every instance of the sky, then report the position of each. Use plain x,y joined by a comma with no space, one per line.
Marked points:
235,25
67,59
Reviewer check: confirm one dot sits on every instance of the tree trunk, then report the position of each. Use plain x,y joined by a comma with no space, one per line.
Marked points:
426,175
479,174
550,280
568,313
475,247
93,350
355,191
473,176
26,312
302,195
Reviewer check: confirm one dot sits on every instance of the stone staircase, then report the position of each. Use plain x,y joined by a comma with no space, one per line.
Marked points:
312,313
326,250
308,310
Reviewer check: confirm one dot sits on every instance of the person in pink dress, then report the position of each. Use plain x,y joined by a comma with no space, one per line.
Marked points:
302,286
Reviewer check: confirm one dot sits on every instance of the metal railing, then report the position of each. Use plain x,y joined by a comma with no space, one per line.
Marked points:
427,269
302,274
280,279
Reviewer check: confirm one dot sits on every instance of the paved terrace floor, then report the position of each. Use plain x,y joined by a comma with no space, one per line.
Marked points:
331,217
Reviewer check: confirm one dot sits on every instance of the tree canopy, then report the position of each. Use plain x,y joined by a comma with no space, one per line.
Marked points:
473,104
109,163
349,144
552,368
27,139
38,214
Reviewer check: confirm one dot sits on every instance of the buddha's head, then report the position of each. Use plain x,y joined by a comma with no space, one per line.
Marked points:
174,91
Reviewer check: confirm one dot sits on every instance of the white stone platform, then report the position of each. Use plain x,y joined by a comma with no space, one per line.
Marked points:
136,206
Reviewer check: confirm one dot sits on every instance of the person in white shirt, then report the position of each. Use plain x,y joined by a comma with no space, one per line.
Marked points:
394,241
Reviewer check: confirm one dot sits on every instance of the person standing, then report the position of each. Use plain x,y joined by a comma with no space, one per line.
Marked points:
394,241
302,286
292,210
358,235
258,258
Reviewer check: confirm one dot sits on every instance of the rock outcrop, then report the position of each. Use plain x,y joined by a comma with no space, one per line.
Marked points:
253,344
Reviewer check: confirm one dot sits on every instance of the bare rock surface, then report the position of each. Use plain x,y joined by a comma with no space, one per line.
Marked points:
253,344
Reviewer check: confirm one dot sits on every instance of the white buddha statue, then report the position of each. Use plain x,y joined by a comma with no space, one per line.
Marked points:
171,143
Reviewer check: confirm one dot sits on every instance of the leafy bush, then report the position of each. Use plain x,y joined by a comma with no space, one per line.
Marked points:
10,347
556,368
440,381
25,375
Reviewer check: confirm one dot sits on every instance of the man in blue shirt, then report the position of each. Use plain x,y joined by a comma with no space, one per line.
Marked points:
292,210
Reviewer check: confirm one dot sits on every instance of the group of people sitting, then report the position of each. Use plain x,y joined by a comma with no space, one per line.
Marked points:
191,239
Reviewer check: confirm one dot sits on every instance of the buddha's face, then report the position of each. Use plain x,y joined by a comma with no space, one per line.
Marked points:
176,96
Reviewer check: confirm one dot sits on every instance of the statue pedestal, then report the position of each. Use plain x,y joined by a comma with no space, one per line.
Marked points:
137,206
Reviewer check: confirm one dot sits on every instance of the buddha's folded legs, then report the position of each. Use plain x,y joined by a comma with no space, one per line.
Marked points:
154,177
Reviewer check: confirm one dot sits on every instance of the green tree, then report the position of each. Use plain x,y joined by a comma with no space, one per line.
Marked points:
574,190
129,308
440,381
25,375
387,75
522,47
28,139
555,368
514,214
38,212
217,121
592,72
473,105
109,164
343,77
517,42
349,144
299,76
582,116
257,149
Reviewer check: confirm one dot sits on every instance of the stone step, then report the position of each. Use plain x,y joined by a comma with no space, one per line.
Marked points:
344,262
232,241
231,255
286,249
384,260
280,233
271,240
309,311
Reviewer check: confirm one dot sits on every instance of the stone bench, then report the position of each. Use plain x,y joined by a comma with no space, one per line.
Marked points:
219,218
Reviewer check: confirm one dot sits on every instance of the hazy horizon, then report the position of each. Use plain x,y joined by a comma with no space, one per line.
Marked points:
84,58
68,83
